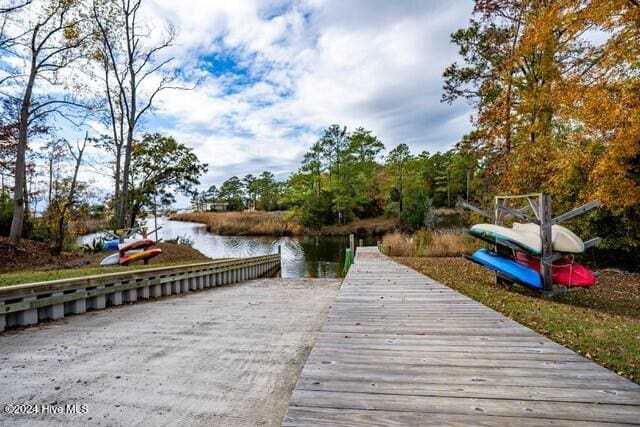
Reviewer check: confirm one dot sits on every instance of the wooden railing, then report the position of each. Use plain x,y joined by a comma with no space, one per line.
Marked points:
27,304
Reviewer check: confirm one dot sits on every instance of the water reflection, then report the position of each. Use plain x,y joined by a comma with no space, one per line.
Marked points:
304,256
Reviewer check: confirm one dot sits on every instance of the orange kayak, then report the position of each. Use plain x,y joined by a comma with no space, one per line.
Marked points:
136,244
144,255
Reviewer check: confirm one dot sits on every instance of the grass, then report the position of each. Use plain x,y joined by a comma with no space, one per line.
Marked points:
172,254
442,243
601,323
250,223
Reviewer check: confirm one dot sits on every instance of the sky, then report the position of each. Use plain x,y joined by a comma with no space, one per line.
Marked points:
273,74
268,76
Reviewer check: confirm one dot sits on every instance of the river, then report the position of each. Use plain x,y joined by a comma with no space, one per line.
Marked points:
302,256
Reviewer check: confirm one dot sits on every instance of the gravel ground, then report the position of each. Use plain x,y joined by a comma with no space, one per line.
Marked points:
224,356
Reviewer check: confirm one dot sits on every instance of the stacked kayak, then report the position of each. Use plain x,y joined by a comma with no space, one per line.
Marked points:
565,271
523,266
510,269
132,250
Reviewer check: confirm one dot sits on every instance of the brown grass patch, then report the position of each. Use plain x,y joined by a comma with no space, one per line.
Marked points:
254,223
426,243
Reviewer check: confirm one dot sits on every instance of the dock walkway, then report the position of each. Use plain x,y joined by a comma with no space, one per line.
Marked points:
399,348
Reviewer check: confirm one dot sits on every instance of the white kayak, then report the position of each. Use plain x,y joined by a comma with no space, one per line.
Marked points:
562,239
525,239
114,259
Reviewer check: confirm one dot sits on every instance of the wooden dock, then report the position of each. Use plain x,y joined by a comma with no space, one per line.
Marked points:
399,348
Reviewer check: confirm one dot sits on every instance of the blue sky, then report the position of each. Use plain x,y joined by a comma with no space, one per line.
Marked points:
273,74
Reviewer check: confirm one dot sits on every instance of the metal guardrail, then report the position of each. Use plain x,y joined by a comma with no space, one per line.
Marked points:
27,304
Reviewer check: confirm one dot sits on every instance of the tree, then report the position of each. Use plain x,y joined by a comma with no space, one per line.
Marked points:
232,192
56,151
128,57
76,153
250,189
8,11
555,110
312,164
211,195
397,161
161,166
50,45
267,191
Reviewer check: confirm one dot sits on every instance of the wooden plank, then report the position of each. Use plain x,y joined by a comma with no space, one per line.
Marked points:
331,417
477,390
539,409
399,348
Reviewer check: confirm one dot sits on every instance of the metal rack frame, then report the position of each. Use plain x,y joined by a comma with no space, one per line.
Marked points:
540,205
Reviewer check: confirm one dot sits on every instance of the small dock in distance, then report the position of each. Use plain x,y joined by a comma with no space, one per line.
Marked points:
399,348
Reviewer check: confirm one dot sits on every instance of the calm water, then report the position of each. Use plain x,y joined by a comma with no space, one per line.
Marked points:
301,256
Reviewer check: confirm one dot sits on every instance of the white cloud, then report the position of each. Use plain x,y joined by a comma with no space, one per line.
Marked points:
302,66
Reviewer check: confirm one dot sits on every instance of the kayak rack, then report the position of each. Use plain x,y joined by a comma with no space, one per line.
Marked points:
534,208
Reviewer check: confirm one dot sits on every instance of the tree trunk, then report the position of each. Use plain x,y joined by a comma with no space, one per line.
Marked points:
23,133
69,202
50,179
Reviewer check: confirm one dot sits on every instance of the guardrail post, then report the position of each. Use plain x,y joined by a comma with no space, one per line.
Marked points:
55,311
115,298
27,317
176,286
78,306
184,285
130,295
3,317
166,287
156,290
99,301
143,292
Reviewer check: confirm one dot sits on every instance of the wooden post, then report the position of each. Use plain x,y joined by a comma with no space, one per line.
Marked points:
546,260
352,243
497,219
360,243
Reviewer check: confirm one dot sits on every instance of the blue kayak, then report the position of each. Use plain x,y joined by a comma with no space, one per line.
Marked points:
110,245
508,268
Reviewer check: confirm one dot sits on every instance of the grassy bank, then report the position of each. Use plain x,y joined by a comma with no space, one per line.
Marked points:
71,265
602,323
254,223
440,243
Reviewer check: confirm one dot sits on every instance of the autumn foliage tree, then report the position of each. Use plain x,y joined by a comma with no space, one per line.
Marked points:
556,93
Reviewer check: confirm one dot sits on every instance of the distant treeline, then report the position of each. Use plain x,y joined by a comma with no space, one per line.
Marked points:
344,176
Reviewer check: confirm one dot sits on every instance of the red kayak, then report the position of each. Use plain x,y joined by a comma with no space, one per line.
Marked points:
136,244
565,271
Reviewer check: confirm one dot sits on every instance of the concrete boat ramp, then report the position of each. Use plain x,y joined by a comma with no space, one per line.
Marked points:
387,347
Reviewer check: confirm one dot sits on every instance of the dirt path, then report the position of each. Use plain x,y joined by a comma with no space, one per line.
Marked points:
227,356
